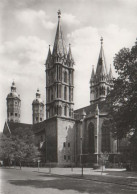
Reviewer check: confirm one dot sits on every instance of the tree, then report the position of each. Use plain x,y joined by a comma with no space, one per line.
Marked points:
20,146
123,98
6,149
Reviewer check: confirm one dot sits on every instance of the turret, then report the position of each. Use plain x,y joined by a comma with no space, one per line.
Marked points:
100,80
13,105
37,108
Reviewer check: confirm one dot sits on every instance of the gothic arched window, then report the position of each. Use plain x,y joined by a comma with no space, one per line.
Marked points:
65,93
91,142
65,110
51,93
105,145
107,90
65,77
70,112
60,72
60,110
103,90
59,93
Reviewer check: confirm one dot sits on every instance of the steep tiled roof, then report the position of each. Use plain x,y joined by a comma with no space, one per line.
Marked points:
59,43
12,126
101,65
91,109
38,127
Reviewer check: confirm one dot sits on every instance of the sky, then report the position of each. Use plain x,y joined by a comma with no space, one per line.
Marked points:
28,27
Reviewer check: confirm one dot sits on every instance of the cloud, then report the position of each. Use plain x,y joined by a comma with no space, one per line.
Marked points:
23,60
70,19
33,18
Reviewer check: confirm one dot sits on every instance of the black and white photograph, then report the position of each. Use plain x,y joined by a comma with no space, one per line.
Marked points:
68,103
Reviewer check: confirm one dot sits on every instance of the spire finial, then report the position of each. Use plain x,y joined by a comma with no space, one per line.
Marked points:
13,83
101,40
59,14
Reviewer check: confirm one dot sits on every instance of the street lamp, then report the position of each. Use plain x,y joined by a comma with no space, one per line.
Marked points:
81,141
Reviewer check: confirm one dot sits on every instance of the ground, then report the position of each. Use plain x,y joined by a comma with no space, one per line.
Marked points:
33,180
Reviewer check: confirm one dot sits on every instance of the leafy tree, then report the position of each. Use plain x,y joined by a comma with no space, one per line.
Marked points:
123,97
20,146
6,148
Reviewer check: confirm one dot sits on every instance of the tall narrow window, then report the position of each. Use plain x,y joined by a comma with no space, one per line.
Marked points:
48,94
70,81
59,93
91,143
105,145
60,73
65,110
51,93
65,77
70,94
60,110
57,72
70,112
65,93
64,144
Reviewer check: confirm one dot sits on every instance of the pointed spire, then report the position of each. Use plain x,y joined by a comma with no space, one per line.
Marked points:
110,73
59,44
101,65
70,53
49,56
92,75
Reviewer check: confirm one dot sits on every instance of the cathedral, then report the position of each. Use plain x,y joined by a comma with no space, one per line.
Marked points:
67,136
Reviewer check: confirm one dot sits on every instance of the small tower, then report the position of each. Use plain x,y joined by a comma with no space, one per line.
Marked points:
37,108
13,105
101,80
59,78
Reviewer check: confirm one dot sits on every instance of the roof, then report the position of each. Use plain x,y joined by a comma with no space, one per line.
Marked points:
38,99
13,95
59,43
101,65
9,127
91,109
13,126
38,127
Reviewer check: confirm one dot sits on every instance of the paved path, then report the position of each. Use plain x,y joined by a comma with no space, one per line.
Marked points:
15,181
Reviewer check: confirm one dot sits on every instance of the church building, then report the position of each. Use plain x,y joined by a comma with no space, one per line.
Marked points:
67,136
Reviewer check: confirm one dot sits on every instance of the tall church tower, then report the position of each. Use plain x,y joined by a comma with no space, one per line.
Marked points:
13,105
37,108
101,81
59,78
